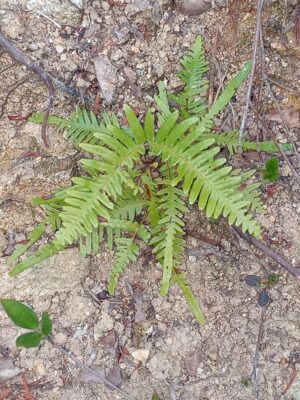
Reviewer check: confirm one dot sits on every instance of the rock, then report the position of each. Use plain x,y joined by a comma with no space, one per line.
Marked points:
193,259
3,241
142,5
141,355
105,324
130,74
192,7
7,368
60,49
106,76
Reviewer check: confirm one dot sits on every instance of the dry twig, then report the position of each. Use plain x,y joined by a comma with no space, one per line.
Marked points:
251,78
91,371
295,272
18,56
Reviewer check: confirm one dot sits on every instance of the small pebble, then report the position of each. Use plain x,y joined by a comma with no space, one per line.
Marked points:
141,355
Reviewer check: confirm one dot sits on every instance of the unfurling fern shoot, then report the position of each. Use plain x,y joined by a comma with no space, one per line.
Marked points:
138,179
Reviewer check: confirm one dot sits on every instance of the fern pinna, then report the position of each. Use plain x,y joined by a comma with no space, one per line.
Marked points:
138,179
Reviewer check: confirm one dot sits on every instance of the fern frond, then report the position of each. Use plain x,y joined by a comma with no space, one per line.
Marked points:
179,279
89,244
205,178
162,103
249,190
225,97
118,152
167,237
40,255
34,236
126,251
229,140
128,206
80,126
192,98
152,186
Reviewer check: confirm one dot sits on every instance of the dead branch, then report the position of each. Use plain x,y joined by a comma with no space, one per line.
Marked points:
259,8
291,381
295,272
18,56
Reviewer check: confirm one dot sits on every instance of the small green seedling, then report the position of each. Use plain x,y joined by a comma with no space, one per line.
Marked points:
271,171
246,382
155,397
24,317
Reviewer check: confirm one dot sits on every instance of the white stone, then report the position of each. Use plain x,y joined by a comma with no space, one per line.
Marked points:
141,355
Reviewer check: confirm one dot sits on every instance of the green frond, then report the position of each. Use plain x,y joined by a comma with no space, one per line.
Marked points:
128,206
126,252
253,196
205,179
162,103
40,255
180,280
167,237
89,244
80,126
34,236
84,205
128,226
229,140
249,190
227,94
192,98
153,211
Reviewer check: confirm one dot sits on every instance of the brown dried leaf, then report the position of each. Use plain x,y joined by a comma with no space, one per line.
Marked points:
114,375
192,7
292,117
192,361
106,76
109,340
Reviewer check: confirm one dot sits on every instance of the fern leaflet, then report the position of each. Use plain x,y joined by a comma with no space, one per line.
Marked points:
180,280
167,237
126,251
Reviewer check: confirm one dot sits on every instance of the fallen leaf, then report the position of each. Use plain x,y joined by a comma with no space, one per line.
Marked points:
192,361
109,340
114,375
5,393
192,7
106,76
292,117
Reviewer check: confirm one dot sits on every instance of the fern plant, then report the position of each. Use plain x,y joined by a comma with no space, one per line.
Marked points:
138,178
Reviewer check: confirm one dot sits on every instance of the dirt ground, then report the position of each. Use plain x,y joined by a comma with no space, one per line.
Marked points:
146,343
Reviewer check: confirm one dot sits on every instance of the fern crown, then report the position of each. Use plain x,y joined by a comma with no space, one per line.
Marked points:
138,178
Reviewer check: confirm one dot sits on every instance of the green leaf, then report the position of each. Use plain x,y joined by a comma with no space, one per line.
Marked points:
155,397
46,325
127,251
33,238
30,339
271,171
20,314
227,94
180,280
